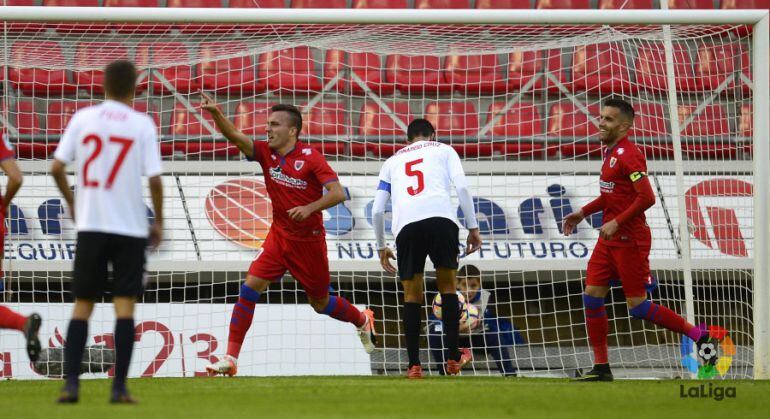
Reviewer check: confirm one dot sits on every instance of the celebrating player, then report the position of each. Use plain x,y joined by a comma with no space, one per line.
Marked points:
295,176
9,319
624,239
112,147
418,178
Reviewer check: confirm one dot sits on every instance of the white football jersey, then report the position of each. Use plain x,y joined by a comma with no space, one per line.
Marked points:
112,147
419,178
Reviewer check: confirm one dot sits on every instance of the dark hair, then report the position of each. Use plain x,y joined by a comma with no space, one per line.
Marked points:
467,271
624,107
295,115
120,79
420,128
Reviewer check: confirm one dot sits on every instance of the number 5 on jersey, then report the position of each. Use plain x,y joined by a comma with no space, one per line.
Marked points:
412,172
124,143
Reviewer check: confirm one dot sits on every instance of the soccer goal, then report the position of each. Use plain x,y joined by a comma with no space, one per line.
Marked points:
517,94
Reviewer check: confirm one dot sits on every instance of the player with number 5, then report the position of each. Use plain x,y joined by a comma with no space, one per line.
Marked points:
418,180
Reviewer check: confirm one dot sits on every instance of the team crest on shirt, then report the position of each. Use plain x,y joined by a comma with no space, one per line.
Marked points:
298,164
613,160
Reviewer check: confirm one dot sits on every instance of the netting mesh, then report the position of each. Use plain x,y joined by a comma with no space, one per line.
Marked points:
520,104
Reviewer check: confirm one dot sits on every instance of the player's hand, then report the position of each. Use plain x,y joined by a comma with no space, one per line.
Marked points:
473,243
208,103
156,235
385,255
609,229
300,213
571,221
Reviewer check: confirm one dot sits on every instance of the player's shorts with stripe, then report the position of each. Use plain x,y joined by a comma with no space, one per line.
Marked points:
630,264
95,251
435,237
307,262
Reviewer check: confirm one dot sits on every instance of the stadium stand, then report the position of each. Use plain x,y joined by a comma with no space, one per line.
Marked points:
455,120
59,114
232,75
625,4
651,69
474,74
39,80
27,120
185,124
289,70
87,54
416,74
600,69
325,119
180,76
380,4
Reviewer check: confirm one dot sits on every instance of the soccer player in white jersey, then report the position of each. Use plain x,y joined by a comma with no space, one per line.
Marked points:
418,180
111,146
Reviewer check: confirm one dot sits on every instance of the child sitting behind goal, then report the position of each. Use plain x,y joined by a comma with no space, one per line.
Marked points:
490,335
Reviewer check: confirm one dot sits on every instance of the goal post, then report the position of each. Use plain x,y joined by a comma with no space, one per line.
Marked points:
515,92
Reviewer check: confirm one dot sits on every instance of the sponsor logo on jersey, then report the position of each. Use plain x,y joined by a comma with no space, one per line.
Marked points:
279,177
306,152
621,151
298,164
606,187
613,160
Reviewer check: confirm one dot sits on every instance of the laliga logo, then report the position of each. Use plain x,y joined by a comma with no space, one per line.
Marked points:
240,210
712,367
727,233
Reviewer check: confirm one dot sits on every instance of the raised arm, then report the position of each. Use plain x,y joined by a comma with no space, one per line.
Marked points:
235,137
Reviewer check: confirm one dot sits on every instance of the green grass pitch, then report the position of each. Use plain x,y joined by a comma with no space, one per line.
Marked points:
371,397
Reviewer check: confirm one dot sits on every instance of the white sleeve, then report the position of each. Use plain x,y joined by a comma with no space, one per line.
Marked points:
65,151
457,174
378,216
152,165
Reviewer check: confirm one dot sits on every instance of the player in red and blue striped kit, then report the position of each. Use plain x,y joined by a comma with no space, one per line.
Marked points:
624,240
9,319
295,177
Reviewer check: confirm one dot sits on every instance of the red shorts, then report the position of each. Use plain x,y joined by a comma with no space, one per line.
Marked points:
629,264
305,260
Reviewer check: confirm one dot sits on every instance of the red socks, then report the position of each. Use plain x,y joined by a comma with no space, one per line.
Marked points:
240,321
340,309
10,319
597,326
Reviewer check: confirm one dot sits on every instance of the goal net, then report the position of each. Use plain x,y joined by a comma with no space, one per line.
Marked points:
519,103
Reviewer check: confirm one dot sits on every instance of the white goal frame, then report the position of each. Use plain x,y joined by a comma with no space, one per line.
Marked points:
758,19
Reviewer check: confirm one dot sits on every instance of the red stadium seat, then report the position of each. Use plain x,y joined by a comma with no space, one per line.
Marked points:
502,4
716,63
514,150
625,4
59,114
37,80
442,4
319,4
474,150
160,55
581,150
474,73
650,121
453,119
380,4
185,124
521,120
131,3
36,151
416,74
234,75
205,149
712,121
601,69
251,118
524,66
329,148
290,69
256,4
374,121
690,4
27,119
325,119
562,4
94,55
567,120
368,67
149,109
651,69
